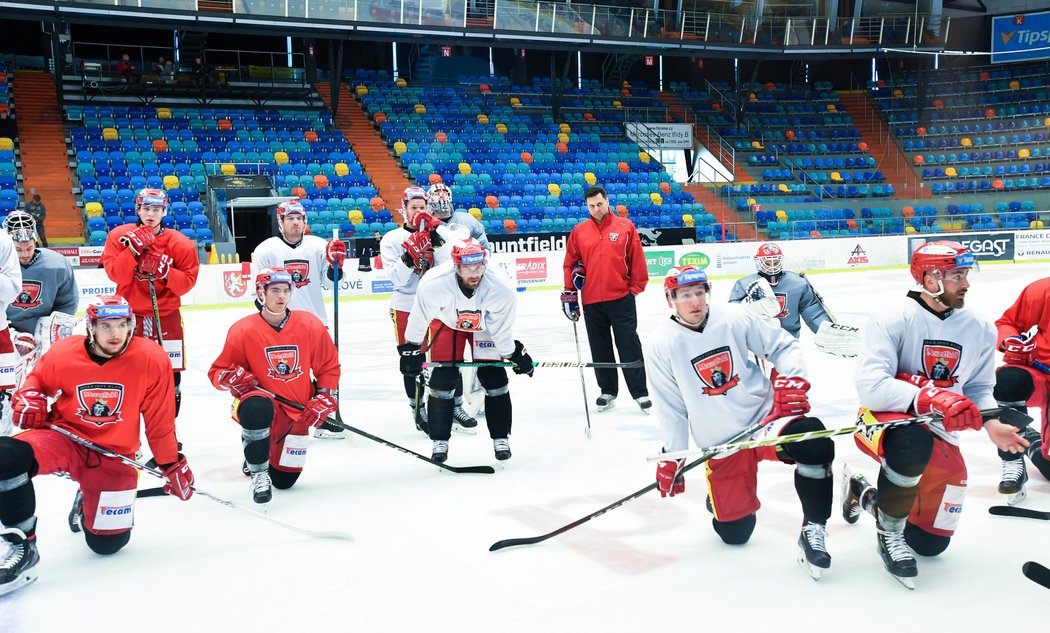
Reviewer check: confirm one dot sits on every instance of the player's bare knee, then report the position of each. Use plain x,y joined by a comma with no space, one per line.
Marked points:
106,544
443,379
924,543
492,378
16,459
283,479
255,412
735,532
907,450
1013,385
813,453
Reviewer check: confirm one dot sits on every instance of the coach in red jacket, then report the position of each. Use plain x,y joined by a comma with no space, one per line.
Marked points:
604,262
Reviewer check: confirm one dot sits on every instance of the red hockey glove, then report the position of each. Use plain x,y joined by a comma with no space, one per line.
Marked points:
319,408
1017,351
237,379
425,222
570,304
418,253
139,240
668,480
959,412
918,381
29,409
180,479
335,253
522,361
789,396
156,264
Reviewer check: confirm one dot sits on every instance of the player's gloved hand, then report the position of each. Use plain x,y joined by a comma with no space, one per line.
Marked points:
959,412
425,221
180,479
25,343
1017,351
579,275
915,379
335,253
668,480
238,380
139,240
419,255
570,304
411,359
521,359
29,409
789,396
318,408
156,264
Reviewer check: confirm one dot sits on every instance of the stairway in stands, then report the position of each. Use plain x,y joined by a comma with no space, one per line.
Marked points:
371,150
718,208
891,159
45,164
740,174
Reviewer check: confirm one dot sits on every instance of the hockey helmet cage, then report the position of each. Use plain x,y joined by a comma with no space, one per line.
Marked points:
20,226
769,259
439,201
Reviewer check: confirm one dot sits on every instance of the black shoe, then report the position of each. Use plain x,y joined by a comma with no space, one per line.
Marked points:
18,567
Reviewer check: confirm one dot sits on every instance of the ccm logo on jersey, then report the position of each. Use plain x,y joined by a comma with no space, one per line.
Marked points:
29,297
940,360
283,361
100,402
715,369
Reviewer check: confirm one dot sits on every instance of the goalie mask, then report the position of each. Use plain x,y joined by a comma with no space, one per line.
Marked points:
439,201
20,226
769,261
941,259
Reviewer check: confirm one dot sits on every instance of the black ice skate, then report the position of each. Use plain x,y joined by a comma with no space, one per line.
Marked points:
897,556
329,431
76,513
605,401
812,553
1015,475
645,404
502,448
463,422
261,487
18,567
857,492
439,451
420,417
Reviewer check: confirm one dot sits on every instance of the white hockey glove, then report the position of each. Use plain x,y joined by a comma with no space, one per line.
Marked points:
54,327
761,300
839,339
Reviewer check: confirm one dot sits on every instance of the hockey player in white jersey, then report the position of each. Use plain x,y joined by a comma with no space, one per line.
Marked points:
704,385
306,257
460,306
923,355
425,240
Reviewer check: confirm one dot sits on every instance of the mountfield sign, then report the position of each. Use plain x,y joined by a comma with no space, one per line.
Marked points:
699,260
527,242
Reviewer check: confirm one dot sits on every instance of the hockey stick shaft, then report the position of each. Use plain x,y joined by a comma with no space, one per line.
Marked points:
156,308
334,534
511,542
337,278
820,299
583,381
546,364
484,470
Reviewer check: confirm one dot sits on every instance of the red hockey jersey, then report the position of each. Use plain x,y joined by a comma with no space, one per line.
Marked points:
120,265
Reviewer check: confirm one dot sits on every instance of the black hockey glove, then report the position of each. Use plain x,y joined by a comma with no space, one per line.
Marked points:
521,359
411,359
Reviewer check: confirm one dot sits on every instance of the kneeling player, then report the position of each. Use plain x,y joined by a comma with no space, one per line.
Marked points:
277,352
704,385
104,383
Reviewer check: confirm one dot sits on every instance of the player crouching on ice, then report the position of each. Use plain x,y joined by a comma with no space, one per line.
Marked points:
464,307
280,352
103,383
704,385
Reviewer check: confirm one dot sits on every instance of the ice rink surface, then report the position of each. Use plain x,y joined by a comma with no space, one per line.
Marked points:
420,559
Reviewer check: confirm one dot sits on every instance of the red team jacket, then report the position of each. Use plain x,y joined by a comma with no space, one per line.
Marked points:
282,361
1031,308
612,253
119,263
102,403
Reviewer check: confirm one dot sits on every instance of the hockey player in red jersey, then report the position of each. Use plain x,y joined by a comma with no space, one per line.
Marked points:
134,255
1024,380
924,355
704,385
283,352
102,384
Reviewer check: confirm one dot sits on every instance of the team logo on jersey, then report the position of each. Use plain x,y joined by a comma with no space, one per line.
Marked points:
614,237
299,270
715,369
940,360
782,300
100,402
468,319
235,283
284,362
30,295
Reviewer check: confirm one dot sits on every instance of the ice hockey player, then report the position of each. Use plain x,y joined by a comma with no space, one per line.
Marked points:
704,385
461,306
794,295
102,385
279,352
924,355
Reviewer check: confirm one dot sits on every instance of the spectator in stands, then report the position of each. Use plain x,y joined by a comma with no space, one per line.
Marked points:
127,71
367,252
201,73
8,128
37,209
165,70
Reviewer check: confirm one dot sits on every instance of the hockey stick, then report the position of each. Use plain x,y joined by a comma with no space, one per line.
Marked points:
583,381
326,534
156,308
865,421
820,299
1037,573
338,276
1024,513
548,364
483,470
532,540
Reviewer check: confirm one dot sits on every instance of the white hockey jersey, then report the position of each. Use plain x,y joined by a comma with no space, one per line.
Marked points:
305,261
491,309
703,383
955,349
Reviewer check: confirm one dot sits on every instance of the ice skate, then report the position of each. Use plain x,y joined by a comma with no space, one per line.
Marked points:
261,487
18,567
439,451
605,402
463,422
501,446
856,491
329,431
1015,475
419,416
897,556
645,404
76,513
812,552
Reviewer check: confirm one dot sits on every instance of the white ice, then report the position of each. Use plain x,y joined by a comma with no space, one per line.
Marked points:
420,561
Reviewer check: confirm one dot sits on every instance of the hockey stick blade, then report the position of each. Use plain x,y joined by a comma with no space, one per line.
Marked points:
1037,573
1024,513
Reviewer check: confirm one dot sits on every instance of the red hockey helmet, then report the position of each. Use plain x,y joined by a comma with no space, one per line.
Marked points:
942,255
439,201
410,194
291,207
267,276
468,253
104,307
769,259
151,198
684,276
